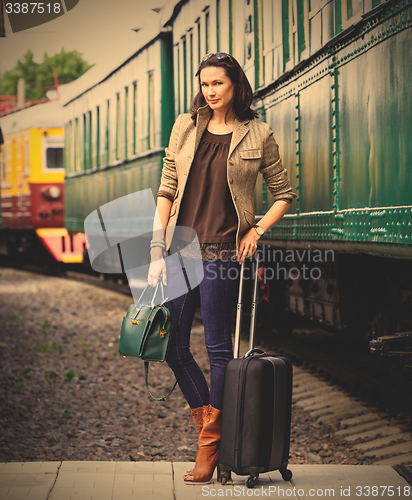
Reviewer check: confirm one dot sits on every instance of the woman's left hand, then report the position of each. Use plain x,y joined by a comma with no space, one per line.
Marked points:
248,245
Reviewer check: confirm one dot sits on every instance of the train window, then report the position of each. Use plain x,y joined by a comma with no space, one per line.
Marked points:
327,21
98,136
314,6
3,164
258,30
199,41
26,157
20,157
353,7
184,64
151,111
338,16
135,120
302,29
177,65
84,142
207,32
72,153
76,145
286,31
118,130
108,133
250,37
54,158
315,26
52,153
302,26
67,147
217,25
230,27
90,142
126,120
347,13
268,27
191,66
272,39
248,27
66,151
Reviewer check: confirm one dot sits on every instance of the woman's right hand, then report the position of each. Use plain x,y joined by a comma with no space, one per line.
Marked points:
157,268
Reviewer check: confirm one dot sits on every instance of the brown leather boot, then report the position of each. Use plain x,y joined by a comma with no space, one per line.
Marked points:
197,415
208,453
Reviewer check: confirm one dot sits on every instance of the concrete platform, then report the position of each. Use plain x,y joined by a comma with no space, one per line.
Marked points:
163,481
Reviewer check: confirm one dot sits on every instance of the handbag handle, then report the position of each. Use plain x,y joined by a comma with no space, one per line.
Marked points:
151,303
146,377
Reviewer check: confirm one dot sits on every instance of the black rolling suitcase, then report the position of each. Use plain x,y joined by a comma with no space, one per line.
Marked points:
256,413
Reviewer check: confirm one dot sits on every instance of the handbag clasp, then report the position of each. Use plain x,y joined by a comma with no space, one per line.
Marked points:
162,332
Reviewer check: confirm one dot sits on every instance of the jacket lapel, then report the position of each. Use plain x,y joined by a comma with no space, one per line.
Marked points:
240,129
203,117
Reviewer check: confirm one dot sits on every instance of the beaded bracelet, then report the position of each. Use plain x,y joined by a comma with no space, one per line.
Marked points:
157,243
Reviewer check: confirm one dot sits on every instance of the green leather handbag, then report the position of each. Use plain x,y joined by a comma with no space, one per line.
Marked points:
146,333
146,330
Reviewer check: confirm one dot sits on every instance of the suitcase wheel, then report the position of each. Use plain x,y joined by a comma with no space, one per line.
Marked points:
286,474
225,476
251,481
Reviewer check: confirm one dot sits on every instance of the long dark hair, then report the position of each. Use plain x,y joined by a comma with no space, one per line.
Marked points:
243,94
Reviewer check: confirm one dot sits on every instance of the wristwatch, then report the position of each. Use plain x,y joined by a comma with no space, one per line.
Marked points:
259,230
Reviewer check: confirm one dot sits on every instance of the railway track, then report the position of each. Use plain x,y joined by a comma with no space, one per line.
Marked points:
69,271
372,432
99,281
358,380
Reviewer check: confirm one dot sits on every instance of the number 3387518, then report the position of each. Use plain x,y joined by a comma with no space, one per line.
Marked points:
33,8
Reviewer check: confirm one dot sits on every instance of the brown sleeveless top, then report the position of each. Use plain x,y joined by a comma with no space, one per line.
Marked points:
207,204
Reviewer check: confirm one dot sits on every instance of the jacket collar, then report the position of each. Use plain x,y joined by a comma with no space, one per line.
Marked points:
240,128
203,116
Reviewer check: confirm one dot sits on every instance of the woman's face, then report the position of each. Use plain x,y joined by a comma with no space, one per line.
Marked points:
217,88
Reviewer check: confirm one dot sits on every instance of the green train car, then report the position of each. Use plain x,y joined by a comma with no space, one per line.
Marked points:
332,77
343,117
117,123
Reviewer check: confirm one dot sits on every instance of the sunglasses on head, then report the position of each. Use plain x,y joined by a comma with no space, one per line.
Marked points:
219,55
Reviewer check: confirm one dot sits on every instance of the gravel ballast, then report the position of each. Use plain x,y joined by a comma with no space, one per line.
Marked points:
66,393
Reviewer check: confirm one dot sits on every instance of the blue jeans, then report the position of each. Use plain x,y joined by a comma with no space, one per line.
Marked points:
218,291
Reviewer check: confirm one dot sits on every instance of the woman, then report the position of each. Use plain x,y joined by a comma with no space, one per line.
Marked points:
223,148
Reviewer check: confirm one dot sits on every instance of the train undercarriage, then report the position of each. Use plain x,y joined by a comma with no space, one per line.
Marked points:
365,298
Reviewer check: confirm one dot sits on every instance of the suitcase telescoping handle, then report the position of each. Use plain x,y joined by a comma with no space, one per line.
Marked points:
239,308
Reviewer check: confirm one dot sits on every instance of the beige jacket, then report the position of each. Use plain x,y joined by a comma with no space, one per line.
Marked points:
253,149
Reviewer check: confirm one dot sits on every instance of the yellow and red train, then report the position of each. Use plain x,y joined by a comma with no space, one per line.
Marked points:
32,186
